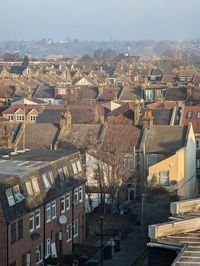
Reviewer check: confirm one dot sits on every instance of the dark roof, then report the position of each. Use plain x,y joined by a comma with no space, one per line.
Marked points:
17,70
49,116
130,93
161,116
176,94
39,136
121,138
165,139
44,91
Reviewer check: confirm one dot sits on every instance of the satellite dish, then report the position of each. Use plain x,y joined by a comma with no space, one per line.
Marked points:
63,219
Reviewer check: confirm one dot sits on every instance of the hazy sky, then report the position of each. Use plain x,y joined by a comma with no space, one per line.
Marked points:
100,19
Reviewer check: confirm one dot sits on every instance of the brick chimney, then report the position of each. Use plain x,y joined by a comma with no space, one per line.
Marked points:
147,120
66,119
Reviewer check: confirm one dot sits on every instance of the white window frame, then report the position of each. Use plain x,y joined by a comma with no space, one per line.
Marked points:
80,194
33,117
51,177
198,115
76,196
45,181
165,175
67,205
61,174
32,218
38,250
37,215
35,185
10,117
10,197
151,156
47,247
48,210
69,233
29,188
62,202
65,171
75,231
74,168
189,114
20,117
53,206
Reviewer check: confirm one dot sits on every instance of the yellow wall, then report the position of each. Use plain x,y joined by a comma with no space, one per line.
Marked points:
181,167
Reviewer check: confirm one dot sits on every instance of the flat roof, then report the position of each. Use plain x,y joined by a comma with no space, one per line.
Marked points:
28,161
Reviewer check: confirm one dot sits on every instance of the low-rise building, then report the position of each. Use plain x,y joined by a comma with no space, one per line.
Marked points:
42,198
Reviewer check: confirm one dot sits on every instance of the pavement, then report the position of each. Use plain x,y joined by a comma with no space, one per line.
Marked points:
131,248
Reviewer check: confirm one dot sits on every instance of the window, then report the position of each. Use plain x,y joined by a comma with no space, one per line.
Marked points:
29,188
197,143
13,233
76,228
149,95
76,167
18,196
45,180
26,259
10,117
198,114
48,213
38,254
76,196
61,91
69,232
31,222
67,201
53,209
164,178
34,220
51,178
151,159
62,204
80,194
65,170
47,247
37,219
20,228
20,117
61,174
35,185
79,167
10,198
189,114
198,163
33,117
75,171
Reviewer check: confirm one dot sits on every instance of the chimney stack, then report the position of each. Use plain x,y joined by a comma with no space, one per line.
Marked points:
147,120
66,119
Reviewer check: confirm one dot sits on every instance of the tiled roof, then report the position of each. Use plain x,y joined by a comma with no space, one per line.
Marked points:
165,139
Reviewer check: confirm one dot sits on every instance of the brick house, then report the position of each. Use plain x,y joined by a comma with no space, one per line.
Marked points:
42,197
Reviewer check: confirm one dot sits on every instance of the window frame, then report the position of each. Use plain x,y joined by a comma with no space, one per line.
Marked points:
69,232
68,199
38,247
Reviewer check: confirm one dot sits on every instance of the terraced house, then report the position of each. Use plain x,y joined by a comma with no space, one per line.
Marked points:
42,195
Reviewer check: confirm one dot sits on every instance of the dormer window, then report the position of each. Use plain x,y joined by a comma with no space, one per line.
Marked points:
20,117
35,185
76,166
10,197
189,114
32,186
45,180
13,195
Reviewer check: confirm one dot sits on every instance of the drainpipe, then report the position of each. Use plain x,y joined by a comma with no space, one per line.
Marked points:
44,228
7,240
